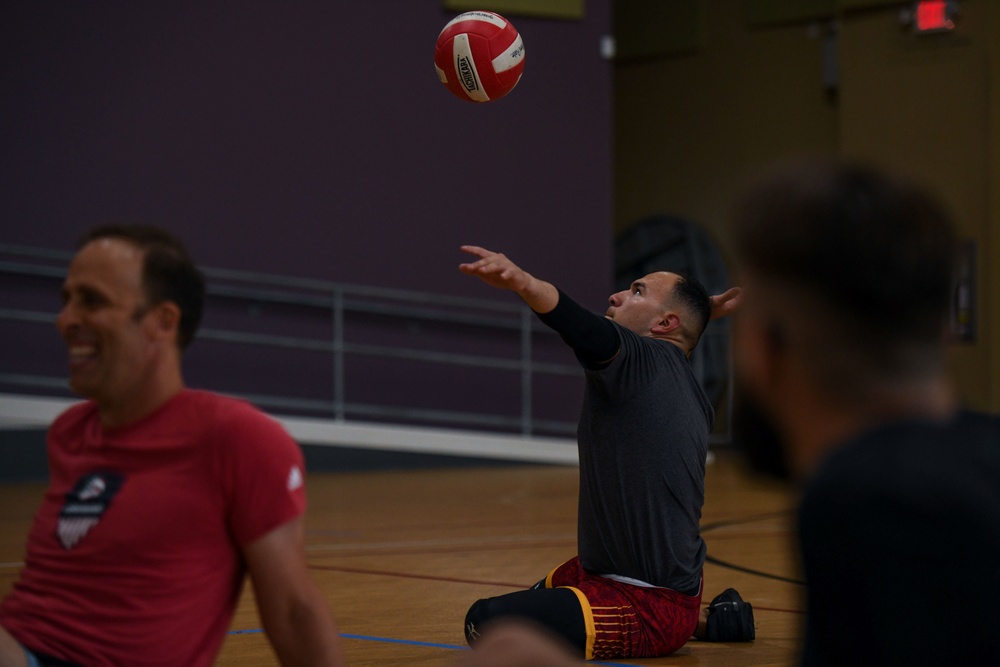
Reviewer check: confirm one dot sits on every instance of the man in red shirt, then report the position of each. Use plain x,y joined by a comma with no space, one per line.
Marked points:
161,498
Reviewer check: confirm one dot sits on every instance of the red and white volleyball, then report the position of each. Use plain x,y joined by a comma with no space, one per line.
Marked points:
479,56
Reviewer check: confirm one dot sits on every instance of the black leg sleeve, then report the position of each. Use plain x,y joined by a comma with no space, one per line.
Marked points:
557,609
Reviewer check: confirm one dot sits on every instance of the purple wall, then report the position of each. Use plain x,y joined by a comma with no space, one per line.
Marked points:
309,139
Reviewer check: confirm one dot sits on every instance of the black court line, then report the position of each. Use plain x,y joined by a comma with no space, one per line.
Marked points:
739,568
747,570
746,519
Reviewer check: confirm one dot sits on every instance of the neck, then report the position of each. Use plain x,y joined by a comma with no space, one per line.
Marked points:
673,340
141,401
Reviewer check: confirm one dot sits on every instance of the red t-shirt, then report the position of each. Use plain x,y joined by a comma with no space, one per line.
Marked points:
134,557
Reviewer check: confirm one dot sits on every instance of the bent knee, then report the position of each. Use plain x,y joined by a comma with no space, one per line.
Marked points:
475,618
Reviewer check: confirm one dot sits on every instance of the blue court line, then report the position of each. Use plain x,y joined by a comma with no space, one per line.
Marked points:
410,642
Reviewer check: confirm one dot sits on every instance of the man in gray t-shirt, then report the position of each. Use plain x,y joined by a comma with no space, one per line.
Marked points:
643,440
635,588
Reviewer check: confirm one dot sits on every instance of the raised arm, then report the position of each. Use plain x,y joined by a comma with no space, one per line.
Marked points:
295,615
496,270
592,337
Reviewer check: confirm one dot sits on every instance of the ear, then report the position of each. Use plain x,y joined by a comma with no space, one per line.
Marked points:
669,322
166,319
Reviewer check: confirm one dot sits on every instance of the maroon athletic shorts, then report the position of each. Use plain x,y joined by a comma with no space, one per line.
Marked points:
627,621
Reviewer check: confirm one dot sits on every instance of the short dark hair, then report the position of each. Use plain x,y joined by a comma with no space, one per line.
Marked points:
168,274
690,294
869,248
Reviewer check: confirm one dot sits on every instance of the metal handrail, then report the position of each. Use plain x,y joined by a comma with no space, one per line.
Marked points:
338,299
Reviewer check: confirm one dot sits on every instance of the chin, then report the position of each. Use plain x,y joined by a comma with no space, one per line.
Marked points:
82,388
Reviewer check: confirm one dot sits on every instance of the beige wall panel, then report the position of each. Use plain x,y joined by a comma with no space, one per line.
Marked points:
771,12
919,104
690,128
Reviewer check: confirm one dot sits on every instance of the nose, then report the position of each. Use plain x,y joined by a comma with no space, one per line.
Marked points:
616,299
66,317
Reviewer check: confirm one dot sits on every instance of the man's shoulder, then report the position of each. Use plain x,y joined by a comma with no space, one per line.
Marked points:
912,459
74,419
979,425
229,411
219,405
966,434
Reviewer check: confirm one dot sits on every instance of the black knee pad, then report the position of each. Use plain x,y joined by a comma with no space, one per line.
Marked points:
557,609
474,619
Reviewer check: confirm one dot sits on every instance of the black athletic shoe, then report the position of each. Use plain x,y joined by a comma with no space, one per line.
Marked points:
730,619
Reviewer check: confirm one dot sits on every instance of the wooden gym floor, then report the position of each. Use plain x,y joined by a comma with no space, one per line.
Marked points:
402,554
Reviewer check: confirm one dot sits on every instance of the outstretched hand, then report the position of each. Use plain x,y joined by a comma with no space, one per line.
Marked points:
726,303
494,269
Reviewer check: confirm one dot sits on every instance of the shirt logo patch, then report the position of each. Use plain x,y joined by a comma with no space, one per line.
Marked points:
294,478
85,505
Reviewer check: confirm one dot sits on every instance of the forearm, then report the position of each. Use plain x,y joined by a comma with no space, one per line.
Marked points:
541,296
295,615
496,270
592,337
305,635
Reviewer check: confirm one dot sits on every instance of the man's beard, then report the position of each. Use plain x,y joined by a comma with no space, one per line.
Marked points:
757,436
